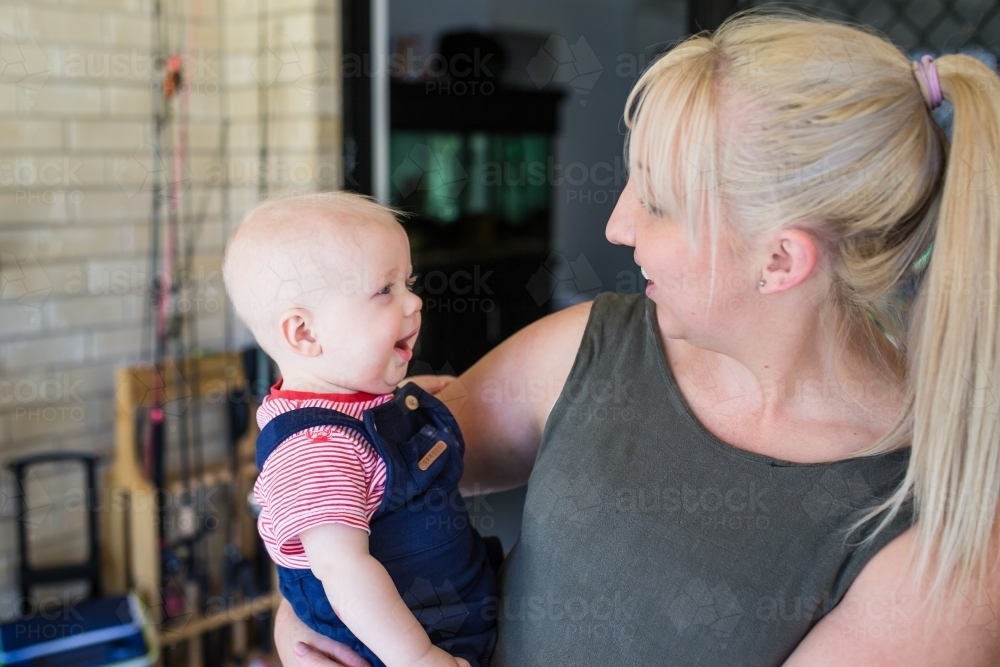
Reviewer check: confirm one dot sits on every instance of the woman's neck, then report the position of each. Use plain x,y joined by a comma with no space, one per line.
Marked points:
834,394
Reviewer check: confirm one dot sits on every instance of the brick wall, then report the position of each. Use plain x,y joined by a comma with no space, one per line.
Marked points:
76,167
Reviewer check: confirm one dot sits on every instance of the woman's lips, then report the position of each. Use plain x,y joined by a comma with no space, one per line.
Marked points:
650,285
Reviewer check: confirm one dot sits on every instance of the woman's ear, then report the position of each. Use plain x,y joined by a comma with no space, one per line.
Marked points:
792,257
296,332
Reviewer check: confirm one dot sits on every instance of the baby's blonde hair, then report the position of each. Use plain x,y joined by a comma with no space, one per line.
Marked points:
777,120
279,256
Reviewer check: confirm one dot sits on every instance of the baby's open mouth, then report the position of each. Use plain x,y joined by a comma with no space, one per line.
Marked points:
404,347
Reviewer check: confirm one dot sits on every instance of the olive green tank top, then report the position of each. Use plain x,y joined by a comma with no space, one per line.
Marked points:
646,540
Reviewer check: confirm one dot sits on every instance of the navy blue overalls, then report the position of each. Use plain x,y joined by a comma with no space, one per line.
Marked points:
420,533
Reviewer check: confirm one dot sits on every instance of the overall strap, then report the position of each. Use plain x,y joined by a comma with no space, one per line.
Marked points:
289,423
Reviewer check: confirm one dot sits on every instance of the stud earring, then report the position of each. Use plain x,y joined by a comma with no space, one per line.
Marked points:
762,283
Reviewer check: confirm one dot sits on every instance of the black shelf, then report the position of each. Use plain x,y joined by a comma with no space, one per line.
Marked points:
497,252
435,107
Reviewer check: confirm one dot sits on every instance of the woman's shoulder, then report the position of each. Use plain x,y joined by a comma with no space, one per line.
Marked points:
612,315
540,357
606,309
543,350
610,319
561,329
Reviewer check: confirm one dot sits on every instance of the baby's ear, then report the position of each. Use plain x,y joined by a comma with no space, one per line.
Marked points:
295,330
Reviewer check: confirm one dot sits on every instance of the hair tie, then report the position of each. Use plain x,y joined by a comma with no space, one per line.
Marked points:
927,72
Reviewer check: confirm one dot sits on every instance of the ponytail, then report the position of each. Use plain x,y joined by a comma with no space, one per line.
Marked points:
952,413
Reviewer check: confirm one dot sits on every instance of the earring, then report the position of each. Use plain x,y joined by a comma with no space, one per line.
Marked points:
762,283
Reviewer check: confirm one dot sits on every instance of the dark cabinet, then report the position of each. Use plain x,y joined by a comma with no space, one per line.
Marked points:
473,176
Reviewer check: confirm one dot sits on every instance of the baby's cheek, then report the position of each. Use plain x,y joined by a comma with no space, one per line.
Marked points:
374,354
353,351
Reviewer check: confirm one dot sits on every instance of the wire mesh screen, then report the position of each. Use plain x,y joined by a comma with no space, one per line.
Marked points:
919,26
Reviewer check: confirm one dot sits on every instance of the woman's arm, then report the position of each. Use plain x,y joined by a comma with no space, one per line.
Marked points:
502,402
881,622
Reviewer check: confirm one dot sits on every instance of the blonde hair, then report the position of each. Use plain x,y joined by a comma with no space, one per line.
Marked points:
277,258
779,119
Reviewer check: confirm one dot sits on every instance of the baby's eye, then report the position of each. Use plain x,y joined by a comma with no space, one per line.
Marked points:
386,290
411,282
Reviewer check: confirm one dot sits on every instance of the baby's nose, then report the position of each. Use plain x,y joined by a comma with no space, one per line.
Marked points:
414,304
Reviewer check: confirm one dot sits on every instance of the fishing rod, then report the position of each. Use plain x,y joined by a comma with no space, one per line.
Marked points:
153,441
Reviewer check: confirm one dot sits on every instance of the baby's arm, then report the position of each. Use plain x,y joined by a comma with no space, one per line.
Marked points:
366,600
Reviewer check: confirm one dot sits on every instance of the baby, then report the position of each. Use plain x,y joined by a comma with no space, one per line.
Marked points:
358,479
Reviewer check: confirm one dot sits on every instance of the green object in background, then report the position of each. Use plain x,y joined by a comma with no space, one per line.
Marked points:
521,176
404,173
426,169
514,174
478,198
446,179
537,152
443,176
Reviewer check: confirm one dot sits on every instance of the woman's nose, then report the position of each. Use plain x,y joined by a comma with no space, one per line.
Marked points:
621,228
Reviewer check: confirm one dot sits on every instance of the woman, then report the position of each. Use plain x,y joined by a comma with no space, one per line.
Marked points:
766,460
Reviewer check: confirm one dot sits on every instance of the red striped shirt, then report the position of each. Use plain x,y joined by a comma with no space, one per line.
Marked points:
327,474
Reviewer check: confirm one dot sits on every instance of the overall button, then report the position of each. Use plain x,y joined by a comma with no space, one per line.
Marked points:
412,402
